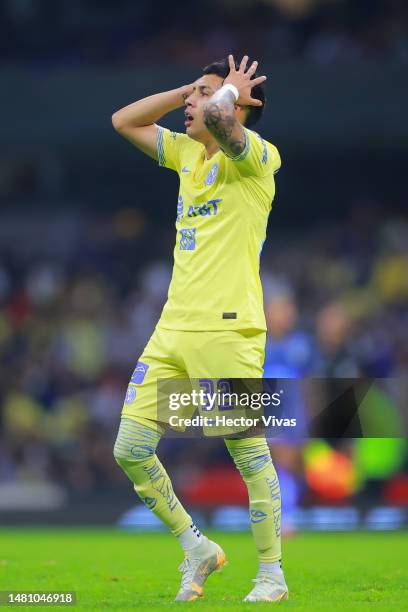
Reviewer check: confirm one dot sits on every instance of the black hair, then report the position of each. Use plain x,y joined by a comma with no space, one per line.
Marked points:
221,68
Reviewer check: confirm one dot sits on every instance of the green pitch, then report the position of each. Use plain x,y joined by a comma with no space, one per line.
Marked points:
124,571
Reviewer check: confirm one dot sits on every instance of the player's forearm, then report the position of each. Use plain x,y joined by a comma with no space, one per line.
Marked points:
221,122
150,109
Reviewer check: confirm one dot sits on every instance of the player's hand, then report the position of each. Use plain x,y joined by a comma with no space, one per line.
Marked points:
186,90
243,81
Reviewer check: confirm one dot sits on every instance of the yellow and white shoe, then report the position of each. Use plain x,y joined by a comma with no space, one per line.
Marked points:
198,564
268,587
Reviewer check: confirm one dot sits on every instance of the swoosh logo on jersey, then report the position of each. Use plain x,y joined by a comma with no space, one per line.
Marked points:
185,169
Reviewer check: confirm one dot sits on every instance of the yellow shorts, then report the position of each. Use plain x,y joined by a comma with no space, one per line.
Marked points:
172,354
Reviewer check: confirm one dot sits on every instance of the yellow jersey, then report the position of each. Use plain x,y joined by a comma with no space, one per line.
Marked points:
222,213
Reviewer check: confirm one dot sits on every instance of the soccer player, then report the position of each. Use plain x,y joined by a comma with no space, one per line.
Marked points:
213,324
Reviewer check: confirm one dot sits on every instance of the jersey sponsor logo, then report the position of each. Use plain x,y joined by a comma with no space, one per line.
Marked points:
212,175
185,169
257,516
188,239
139,373
130,395
207,209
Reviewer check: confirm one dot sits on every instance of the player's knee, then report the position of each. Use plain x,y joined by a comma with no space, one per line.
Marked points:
135,443
250,457
138,453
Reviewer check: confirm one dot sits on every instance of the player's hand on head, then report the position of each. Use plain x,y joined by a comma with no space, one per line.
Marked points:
243,81
187,90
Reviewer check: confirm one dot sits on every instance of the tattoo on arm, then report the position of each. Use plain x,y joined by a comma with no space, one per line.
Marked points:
220,120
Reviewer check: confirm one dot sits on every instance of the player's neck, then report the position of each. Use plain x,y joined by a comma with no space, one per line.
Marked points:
211,149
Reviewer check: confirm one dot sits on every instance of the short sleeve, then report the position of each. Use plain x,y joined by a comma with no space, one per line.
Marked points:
169,147
258,158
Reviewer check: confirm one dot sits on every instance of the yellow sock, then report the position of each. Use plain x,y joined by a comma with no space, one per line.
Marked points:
253,459
135,453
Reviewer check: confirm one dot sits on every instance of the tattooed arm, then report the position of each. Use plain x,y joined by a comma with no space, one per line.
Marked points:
221,122
219,113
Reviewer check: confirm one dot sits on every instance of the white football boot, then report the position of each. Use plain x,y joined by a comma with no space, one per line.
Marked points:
198,564
268,587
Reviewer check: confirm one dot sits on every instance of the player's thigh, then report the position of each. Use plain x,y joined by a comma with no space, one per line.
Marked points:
158,361
226,354
216,356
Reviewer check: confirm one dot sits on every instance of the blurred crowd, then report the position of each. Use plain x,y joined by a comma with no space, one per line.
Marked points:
42,32
72,327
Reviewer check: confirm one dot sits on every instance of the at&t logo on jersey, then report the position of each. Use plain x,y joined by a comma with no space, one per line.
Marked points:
209,208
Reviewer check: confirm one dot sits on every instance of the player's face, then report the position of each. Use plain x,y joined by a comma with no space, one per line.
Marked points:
204,88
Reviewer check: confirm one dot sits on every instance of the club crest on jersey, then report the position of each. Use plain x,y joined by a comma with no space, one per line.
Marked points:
188,240
212,175
139,373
